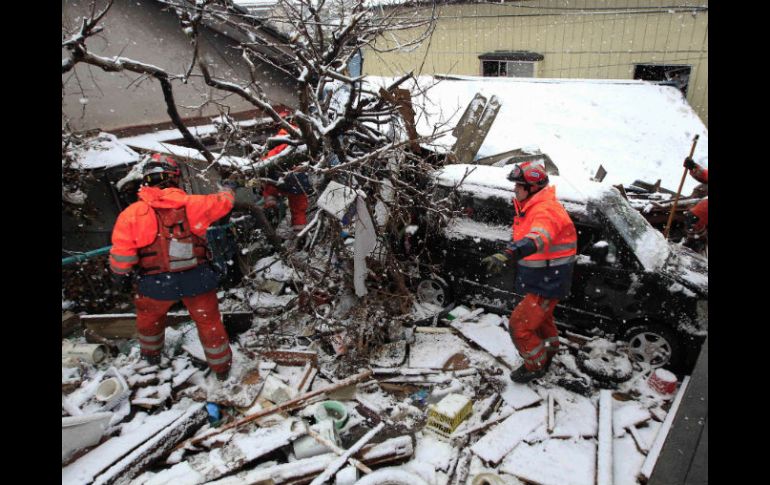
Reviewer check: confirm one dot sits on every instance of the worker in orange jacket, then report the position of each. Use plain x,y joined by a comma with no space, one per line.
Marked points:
163,234
295,186
697,218
544,248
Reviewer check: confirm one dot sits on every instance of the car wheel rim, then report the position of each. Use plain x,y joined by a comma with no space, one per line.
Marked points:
430,291
651,349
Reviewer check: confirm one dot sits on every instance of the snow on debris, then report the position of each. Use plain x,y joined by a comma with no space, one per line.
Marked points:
635,129
554,462
104,151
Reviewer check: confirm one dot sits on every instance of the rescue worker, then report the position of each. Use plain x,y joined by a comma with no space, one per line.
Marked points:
295,186
544,248
164,235
697,218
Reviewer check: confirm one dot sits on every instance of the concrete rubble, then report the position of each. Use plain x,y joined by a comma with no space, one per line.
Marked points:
175,423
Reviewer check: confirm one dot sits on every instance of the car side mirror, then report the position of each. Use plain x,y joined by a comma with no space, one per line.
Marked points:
598,252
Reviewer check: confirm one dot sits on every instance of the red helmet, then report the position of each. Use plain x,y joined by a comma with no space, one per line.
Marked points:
160,169
529,173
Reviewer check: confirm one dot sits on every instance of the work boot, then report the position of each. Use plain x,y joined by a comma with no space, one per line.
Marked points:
222,376
522,375
152,359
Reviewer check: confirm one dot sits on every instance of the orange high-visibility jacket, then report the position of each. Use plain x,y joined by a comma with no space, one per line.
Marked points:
544,220
548,272
137,225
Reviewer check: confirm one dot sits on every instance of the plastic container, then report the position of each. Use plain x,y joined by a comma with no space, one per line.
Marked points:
446,416
91,353
662,381
80,432
307,446
332,410
112,390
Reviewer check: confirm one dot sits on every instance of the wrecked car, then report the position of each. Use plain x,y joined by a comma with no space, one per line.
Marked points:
628,283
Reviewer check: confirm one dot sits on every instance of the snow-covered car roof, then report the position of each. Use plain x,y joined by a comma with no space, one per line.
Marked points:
636,130
486,181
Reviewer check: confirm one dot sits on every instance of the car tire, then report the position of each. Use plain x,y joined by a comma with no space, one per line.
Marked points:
433,290
607,367
654,345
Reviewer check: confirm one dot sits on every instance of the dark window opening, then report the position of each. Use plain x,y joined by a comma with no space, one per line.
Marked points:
665,74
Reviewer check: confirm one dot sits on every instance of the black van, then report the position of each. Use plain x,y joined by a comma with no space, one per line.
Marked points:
629,283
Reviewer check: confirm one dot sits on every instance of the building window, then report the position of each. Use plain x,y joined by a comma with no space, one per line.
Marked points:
509,63
665,74
508,68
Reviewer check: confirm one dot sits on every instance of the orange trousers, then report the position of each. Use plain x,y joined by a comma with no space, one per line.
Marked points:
298,203
533,331
204,310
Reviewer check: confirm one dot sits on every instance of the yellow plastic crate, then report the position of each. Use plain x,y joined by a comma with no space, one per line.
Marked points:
447,415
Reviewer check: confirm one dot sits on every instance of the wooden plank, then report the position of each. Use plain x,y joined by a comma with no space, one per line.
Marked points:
123,325
335,465
237,452
93,463
501,440
69,322
551,414
553,462
291,357
604,452
133,464
641,443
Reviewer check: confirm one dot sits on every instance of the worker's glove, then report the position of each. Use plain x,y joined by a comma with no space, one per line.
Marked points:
244,198
121,283
689,163
496,262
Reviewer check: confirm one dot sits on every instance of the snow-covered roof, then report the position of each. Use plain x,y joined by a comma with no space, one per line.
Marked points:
637,130
258,8
103,151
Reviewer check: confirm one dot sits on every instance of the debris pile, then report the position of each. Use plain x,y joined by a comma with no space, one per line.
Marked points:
433,405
